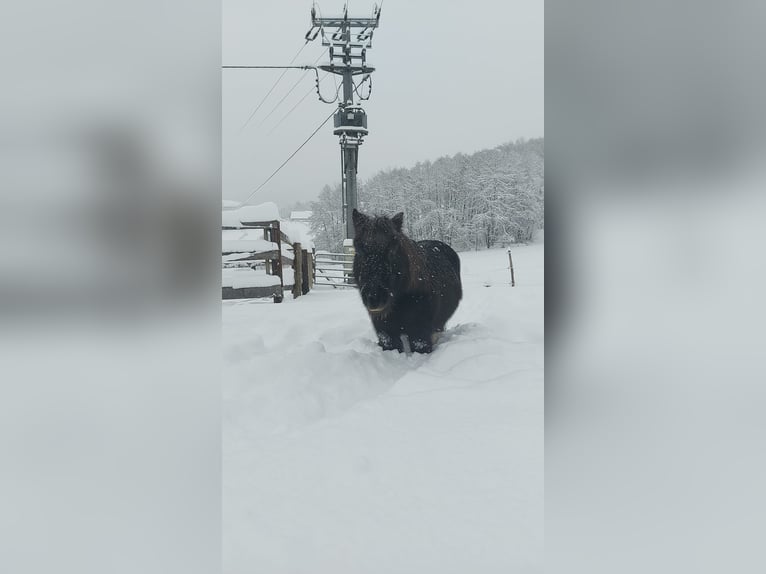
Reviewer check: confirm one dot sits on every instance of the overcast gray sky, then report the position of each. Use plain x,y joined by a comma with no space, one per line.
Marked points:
450,77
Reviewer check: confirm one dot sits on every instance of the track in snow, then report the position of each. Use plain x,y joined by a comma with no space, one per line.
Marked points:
341,457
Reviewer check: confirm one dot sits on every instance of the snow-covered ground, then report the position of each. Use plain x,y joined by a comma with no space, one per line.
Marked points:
340,458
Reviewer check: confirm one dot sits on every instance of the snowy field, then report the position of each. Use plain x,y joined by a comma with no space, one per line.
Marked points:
339,458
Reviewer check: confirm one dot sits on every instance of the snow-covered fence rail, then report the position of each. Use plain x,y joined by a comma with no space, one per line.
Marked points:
247,246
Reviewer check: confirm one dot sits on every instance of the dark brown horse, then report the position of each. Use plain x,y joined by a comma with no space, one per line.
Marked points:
410,289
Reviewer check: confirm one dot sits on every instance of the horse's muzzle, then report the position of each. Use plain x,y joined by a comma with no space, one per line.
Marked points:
375,300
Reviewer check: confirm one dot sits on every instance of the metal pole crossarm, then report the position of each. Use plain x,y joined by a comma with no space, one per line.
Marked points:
343,69
342,44
339,22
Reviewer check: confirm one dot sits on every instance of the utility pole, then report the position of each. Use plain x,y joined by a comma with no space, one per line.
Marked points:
348,40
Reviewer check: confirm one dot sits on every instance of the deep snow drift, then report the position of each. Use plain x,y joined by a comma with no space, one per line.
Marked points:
341,458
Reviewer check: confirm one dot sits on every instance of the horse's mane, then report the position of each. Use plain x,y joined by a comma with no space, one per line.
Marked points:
415,270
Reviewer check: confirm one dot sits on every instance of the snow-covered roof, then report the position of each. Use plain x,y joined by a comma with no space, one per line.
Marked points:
300,215
264,212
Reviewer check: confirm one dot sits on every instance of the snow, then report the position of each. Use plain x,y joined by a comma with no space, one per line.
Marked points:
298,231
339,457
244,277
245,240
300,215
264,212
236,257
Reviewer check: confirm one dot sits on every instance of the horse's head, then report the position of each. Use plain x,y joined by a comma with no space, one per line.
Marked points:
380,263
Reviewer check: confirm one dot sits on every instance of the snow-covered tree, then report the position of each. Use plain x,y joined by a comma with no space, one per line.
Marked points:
492,197
326,220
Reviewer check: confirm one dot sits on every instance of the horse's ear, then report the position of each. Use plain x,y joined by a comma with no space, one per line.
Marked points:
358,218
397,220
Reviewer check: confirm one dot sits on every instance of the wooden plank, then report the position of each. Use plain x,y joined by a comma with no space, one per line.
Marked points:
252,292
260,256
261,224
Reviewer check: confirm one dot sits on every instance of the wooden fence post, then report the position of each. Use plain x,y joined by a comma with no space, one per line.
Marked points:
298,268
510,261
277,265
305,276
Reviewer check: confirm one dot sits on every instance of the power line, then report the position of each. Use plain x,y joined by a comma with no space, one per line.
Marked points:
290,91
268,67
299,102
258,107
257,189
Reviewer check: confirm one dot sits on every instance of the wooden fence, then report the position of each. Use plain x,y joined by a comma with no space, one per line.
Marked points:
257,268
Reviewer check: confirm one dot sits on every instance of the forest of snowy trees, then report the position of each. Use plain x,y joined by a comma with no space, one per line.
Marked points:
491,197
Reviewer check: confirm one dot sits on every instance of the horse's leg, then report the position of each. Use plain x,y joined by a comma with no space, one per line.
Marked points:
421,339
422,345
417,323
384,341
